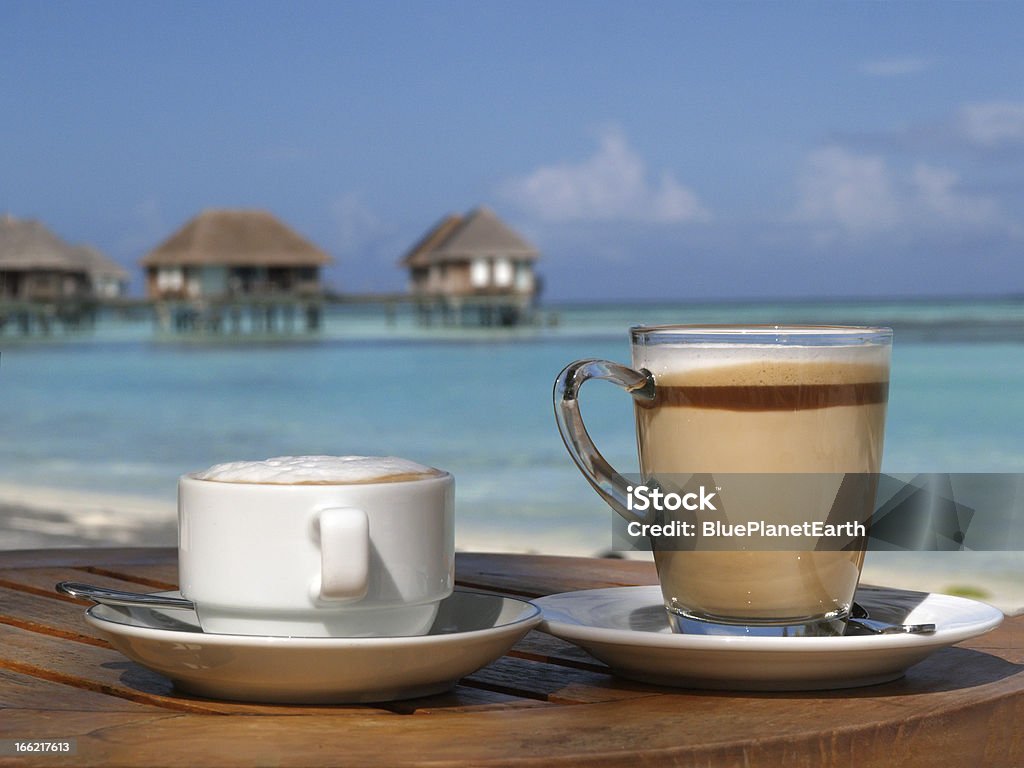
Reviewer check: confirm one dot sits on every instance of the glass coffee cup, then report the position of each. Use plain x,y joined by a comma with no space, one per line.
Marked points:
780,426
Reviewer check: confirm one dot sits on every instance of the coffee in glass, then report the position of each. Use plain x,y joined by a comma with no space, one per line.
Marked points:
781,417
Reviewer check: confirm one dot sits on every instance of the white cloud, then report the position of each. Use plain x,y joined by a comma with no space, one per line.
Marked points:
861,195
612,184
898,66
853,192
992,123
935,193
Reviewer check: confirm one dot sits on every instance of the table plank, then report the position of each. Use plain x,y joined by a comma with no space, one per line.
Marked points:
43,580
464,698
682,730
104,670
57,618
555,683
530,575
150,577
547,703
1006,640
538,646
32,604
536,575
73,556
20,691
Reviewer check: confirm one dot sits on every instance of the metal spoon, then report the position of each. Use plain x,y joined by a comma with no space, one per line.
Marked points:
860,619
120,597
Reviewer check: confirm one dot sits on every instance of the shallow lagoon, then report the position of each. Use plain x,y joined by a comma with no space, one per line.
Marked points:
122,413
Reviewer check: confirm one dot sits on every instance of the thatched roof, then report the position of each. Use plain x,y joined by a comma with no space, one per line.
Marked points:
25,244
98,264
236,238
419,254
479,233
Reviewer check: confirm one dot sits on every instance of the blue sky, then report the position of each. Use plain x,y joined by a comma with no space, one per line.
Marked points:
652,150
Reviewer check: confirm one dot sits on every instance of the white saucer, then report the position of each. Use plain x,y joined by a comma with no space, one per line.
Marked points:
471,630
626,628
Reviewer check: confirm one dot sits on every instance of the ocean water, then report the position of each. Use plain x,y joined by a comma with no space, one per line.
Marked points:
123,412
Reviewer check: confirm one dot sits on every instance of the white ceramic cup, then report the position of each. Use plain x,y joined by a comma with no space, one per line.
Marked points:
326,560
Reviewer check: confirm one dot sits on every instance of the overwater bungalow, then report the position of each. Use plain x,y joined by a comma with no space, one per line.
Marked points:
236,271
473,270
36,265
47,284
107,278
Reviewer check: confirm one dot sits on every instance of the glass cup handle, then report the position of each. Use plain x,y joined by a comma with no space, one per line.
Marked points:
609,484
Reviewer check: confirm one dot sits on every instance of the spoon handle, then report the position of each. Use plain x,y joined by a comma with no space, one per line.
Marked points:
119,597
885,628
859,618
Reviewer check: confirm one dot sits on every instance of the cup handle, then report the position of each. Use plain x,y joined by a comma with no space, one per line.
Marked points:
609,484
344,553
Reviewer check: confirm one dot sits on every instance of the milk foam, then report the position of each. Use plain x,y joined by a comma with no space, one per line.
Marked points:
763,364
311,470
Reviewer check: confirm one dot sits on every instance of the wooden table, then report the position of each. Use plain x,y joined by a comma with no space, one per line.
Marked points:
545,703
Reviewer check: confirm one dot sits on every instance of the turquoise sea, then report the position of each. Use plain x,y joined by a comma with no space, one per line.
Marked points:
122,412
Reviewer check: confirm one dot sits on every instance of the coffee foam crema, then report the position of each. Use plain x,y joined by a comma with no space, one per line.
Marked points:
763,365
318,470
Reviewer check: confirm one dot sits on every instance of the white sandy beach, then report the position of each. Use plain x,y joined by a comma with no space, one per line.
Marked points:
37,517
